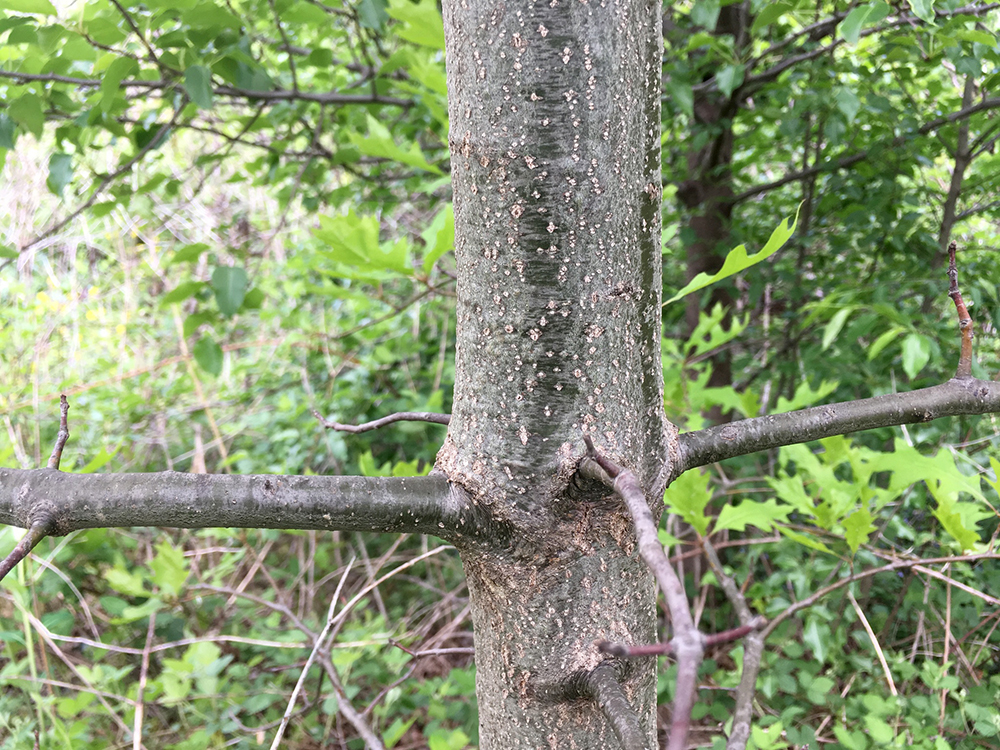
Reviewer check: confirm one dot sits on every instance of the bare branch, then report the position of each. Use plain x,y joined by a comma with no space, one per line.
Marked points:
850,160
59,503
275,95
753,649
602,685
399,416
687,642
154,142
956,397
897,565
63,435
35,534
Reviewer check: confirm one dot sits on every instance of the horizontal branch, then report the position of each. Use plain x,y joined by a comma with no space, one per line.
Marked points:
957,396
399,416
60,502
844,162
331,97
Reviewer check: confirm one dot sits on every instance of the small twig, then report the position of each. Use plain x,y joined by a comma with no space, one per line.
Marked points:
36,533
753,650
317,645
164,70
63,435
288,47
964,321
41,527
625,651
143,674
874,639
601,685
400,416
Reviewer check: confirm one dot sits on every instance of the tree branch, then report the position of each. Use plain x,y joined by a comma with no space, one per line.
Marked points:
60,503
399,416
957,396
847,161
687,643
601,685
274,95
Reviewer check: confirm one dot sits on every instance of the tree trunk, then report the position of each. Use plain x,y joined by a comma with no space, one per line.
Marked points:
555,123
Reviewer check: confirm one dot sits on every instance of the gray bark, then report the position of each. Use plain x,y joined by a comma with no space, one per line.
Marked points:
554,113
62,503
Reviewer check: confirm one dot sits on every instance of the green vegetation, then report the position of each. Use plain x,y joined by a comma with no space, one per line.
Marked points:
216,218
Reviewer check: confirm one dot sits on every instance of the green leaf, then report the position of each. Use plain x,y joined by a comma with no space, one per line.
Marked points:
128,582
976,36
43,7
60,172
682,96
230,287
372,14
858,526
805,540
198,82
8,131
422,21
705,13
254,299
752,513
883,341
182,292
850,740
850,27
687,498
916,353
395,731
817,637
187,253
848,103
769,14
379,143
738,260
879,730
208,355
729,79
923,9
6,251
352,239
439,236
834,327
961,526
169,568
97,463
117,71
27,111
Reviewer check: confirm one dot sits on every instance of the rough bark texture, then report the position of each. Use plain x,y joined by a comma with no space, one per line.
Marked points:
556,170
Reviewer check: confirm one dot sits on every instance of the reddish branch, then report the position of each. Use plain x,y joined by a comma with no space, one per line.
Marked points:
400,416
964,321
963,394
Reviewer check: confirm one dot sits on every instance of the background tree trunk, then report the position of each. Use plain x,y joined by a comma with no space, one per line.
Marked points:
555,115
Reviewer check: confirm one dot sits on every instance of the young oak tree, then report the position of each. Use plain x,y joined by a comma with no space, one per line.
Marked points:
555,141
